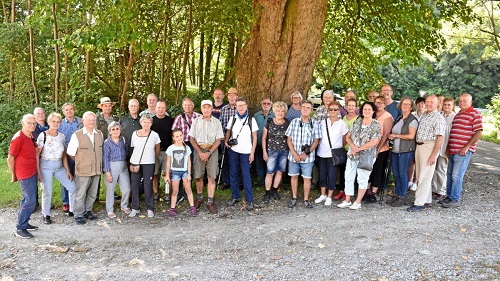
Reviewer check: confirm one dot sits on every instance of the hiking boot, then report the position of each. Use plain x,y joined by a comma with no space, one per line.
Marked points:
372,198
23,233
393,199
47,220
415,208
292,203
211,208
451,204
308,204
267,198
446,200
172,212
198,203
31,227
192,211
275,195
398,202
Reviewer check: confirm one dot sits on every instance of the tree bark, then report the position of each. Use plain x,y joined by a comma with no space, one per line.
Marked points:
32,57
57,59
187,40
281,50
12,83
208,61
200,65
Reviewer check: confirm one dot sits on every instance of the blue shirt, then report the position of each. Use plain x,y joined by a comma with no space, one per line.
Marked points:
39,128
68,128
261,120
393,110
113,152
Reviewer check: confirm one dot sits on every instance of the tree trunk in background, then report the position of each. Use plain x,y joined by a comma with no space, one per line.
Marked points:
32,58
281,50
57,62
200,66
11,64
187,39
208,61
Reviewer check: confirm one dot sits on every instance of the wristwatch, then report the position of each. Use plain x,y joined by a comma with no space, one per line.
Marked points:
210,153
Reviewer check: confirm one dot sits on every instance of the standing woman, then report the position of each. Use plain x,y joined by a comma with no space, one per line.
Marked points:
333,131
275,150
294,109
322,110
351,107
378,175
146,145
52,162
364,135
115,168
403,150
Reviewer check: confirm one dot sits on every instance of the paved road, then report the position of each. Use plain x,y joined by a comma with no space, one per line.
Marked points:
487,157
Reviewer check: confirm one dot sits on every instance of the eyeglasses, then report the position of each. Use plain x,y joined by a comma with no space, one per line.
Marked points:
31,123
115,129
266,103
333,109
379,103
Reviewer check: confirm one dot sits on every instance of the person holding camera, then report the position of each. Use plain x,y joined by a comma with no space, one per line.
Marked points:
241,141
303,137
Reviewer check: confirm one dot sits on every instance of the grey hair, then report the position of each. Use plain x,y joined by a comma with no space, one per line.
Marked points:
114,124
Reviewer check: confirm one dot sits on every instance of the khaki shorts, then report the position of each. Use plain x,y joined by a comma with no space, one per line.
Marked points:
211,166
160,163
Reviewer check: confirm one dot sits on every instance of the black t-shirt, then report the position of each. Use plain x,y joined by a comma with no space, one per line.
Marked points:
216,110
164,129
276,138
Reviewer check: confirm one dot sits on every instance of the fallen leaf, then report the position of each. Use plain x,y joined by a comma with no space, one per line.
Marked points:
379,237
458,267
103,223
54,248
79,249
276,258
258,276
321,246
463,229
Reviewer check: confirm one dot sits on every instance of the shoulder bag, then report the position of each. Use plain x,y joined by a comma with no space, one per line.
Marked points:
366,157
339,155
134,168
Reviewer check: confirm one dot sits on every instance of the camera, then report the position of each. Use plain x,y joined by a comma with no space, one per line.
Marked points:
306,149
232,142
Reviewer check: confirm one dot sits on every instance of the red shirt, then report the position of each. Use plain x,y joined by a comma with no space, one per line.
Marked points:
24,150
464,125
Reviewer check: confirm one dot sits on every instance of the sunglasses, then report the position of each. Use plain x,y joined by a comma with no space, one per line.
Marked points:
333,109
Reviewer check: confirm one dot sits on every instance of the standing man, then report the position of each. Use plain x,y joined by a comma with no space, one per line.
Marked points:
303,137
105,117
23,167
85,147
41,124
226,112
130,123
261,118
466,130
151,100
391,105
162,125
439,178
205,137
68,126
240,141
218,102
371,96
430,134
348,95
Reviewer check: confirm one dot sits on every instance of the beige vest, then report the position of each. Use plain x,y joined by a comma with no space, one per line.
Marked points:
88,158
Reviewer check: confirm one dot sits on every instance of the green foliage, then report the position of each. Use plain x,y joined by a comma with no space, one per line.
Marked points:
494,108
10,125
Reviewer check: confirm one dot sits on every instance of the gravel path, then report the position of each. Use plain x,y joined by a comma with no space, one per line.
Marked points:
377,242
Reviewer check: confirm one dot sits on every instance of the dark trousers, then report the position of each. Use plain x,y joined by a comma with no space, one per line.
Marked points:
27,205
147,173
327,173
240,165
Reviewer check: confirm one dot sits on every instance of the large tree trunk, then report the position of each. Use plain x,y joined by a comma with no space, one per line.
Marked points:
281,50
57,59
11,67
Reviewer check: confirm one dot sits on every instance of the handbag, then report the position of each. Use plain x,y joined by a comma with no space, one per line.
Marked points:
366,157
134,168
339,155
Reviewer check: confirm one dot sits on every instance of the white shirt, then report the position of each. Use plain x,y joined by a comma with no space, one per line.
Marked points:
149,151
337,130
54,146
244,145
73,142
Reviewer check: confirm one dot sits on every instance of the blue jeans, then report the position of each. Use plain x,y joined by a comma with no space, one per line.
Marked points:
240,164
400,163
327,173
64,191
457,165
276,161
27,206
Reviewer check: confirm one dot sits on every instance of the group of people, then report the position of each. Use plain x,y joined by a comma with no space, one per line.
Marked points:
337,144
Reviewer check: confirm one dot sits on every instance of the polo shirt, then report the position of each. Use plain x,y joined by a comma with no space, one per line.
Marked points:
464,126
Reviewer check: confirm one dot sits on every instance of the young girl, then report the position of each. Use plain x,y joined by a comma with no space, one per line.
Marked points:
179,167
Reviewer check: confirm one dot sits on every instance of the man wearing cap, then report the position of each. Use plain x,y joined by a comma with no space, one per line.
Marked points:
227,112
205,136
85,147
105,117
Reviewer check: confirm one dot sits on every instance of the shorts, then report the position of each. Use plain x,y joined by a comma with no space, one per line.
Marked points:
178,175
276,161
211,166
294,169
160,163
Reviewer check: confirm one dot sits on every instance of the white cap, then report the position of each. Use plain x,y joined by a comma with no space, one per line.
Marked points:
204,102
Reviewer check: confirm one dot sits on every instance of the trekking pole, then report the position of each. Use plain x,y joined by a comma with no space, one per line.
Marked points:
220,166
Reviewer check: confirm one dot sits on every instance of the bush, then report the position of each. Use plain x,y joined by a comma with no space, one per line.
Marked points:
10,124
494,108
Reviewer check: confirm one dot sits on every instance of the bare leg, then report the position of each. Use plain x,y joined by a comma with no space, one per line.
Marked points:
307,188
294,181
175,190
189,192
277,179
269,181
361,193
210,187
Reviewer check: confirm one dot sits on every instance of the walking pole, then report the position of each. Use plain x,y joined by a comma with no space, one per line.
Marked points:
220,166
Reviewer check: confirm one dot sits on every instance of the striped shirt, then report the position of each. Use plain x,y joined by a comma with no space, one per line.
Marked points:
431,124
113,152
464,125
184,122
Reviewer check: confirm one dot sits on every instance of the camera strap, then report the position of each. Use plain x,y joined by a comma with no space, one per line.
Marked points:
242,125
301,128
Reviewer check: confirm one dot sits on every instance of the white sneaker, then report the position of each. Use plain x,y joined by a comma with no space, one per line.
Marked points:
111,215
413,187
344,204
409,184
328,201
320,199
355,206
133,213
150,214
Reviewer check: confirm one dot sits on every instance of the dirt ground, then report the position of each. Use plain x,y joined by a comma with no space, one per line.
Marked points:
377,242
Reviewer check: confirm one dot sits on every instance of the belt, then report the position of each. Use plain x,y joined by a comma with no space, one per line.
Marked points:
424,142
205,145
163,149
51,159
